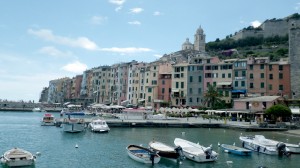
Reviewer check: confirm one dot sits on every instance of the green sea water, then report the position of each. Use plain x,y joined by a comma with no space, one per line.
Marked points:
57,148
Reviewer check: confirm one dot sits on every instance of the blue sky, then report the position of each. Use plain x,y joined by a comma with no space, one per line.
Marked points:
45,40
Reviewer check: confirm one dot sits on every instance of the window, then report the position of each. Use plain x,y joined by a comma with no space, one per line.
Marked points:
182,84
270,76
223,75
191,90
199,90
243,84
191,78
182,68
149,98
149,90
191,99
181,75
251,76
280,67
236,73
270,87
229,75
243,73
162,90
226,93
200,79
270,67
251,67
163,82
236,83
154,74
262,66
280,75
208,61
262,75
177,84
262,85
251,85
281,87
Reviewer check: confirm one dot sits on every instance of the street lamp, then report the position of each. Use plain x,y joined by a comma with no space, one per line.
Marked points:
250,105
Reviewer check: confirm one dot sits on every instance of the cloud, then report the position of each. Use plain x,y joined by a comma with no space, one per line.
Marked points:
52,51
136,10
80,42
135,22
297,7
117,2
75,67
157,55
126,50
97,20
255,23
157,13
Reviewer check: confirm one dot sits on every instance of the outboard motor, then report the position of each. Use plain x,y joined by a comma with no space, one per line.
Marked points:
180,153
281,147
208,152
152,156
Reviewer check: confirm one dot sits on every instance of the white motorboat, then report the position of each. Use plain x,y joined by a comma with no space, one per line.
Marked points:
167,151
262,145
293,148
142,154
37,109
48,120
17,157
73,125
99,125
195,151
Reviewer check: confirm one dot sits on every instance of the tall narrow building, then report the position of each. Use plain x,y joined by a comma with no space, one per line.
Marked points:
294,58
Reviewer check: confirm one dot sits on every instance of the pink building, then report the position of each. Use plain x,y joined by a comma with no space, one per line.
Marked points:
164,84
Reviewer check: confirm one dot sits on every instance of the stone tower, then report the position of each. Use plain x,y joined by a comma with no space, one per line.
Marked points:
199,43
294,58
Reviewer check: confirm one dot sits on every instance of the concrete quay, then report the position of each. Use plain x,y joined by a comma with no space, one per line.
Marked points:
191,122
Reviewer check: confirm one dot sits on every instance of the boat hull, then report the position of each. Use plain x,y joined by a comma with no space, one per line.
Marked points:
73,127
236,150
141,154
164,150
195,152
17,157
248,143
47,123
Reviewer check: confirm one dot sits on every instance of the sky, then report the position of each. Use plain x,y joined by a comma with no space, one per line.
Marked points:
46,40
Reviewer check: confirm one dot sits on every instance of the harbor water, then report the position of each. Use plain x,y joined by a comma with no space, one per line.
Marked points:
57,148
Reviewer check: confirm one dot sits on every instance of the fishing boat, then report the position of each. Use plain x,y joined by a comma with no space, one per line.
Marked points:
48,120
99,125
258,144
166,151
293,148
196,152
17,157
143,155
235,150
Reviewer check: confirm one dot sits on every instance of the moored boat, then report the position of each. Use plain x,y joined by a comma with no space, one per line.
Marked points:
293,148
99,125
167,151
73,125
196,152
143,155
17,157
260,145
48,120
235,150
37,109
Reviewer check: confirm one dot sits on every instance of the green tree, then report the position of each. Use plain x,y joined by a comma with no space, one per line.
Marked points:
212,98
279,111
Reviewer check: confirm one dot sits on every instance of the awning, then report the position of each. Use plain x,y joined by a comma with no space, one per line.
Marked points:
224,83
239,91
141,100
175,90
295,110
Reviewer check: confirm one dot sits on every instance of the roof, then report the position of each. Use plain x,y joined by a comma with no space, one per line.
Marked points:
259,99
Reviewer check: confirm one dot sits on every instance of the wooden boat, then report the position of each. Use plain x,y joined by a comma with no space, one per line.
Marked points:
167,151
195,151
143,155
236,150
260,145
17,157
48,120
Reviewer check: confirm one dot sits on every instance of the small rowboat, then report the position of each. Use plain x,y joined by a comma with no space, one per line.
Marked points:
236,150
143,155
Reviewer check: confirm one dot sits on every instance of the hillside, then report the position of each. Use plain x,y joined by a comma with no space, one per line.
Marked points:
274,47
